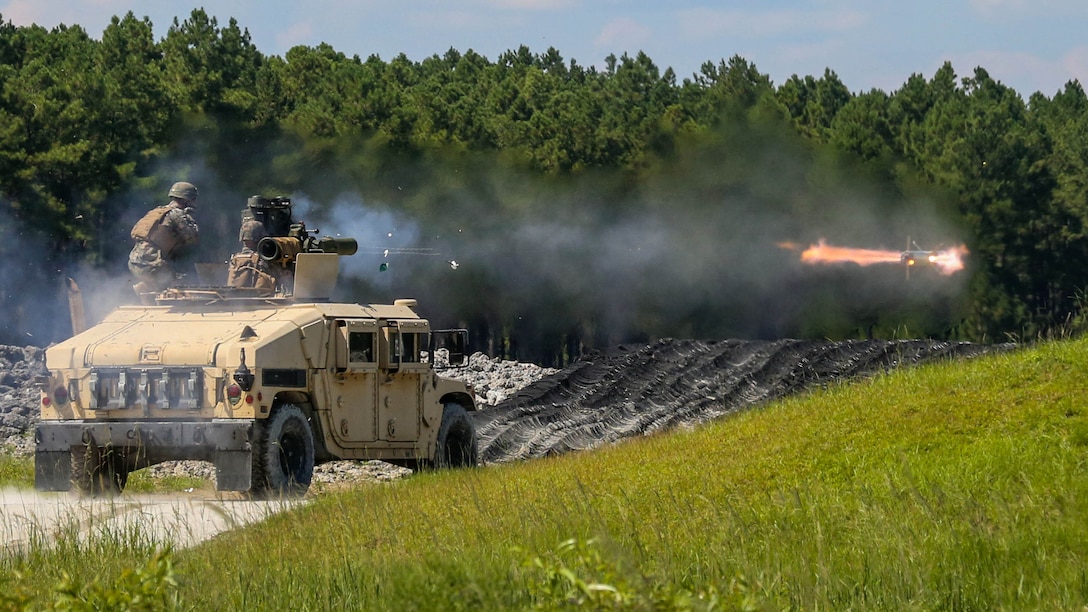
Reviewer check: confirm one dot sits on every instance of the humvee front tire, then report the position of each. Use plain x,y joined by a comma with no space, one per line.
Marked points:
283,454
98,472
457,445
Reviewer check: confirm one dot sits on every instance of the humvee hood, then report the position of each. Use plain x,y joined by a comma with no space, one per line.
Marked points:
163,337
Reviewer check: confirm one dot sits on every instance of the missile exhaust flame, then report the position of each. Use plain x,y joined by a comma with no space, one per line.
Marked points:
822,253
946,261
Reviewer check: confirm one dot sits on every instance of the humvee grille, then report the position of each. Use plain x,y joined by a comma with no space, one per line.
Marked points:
126,388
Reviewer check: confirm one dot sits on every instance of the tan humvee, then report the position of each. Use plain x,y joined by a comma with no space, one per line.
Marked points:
264,385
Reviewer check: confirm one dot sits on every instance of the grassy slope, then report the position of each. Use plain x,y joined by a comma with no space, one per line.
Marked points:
961,485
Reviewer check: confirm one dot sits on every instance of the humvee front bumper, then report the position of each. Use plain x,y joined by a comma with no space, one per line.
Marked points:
225,442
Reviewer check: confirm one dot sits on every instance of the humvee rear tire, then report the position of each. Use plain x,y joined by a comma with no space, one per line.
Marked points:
283,454
98,472
456,446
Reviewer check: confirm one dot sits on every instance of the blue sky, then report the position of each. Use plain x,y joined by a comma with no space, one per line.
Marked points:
1030,45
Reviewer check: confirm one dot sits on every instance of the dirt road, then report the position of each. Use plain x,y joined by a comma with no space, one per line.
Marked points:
28,518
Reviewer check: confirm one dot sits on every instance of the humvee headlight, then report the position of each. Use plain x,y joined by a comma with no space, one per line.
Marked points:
60,395
234,393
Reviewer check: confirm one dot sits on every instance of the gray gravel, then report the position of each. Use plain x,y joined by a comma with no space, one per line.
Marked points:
494,380
18,396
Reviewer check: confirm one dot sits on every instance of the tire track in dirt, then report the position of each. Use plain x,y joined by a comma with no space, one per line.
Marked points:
634,390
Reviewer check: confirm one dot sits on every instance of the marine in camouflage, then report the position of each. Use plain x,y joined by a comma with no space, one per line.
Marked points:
247,269
163,235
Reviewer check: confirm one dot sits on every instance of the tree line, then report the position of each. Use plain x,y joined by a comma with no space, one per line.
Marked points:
588,205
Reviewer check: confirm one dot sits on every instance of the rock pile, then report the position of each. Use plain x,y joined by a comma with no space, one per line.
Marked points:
494,380
19,366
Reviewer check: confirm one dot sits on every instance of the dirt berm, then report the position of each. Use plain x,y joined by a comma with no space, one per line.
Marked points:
638,389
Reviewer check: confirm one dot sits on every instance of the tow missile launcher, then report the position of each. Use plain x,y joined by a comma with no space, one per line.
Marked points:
284,249
263,386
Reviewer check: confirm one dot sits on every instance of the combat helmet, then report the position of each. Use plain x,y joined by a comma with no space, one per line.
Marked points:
252,229
184,191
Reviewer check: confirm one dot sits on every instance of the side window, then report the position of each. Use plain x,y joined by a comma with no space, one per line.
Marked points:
394,346
401,343
411,348
361,346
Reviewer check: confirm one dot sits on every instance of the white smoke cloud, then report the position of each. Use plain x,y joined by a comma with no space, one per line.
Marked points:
384,236
30,300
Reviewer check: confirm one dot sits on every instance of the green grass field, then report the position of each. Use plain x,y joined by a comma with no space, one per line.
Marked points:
957,486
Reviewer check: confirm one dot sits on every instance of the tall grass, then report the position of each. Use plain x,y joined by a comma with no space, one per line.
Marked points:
16,471
952,486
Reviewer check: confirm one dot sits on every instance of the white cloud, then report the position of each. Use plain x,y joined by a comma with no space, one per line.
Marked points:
1026,43
23,12
300,33
708,23
49,13
1025,72
989,6
623,32
1076,64
532,5
1027,8
94,15
453,20
821,52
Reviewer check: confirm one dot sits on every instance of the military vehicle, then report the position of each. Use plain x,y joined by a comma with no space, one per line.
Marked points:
264,383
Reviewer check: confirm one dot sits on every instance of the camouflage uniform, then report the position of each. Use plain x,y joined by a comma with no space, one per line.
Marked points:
247,269
162,236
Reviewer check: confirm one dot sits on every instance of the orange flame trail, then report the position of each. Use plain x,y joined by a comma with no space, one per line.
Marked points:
824,253
947,261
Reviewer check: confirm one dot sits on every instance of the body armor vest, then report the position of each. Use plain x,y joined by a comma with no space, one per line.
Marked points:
151,229
245,272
